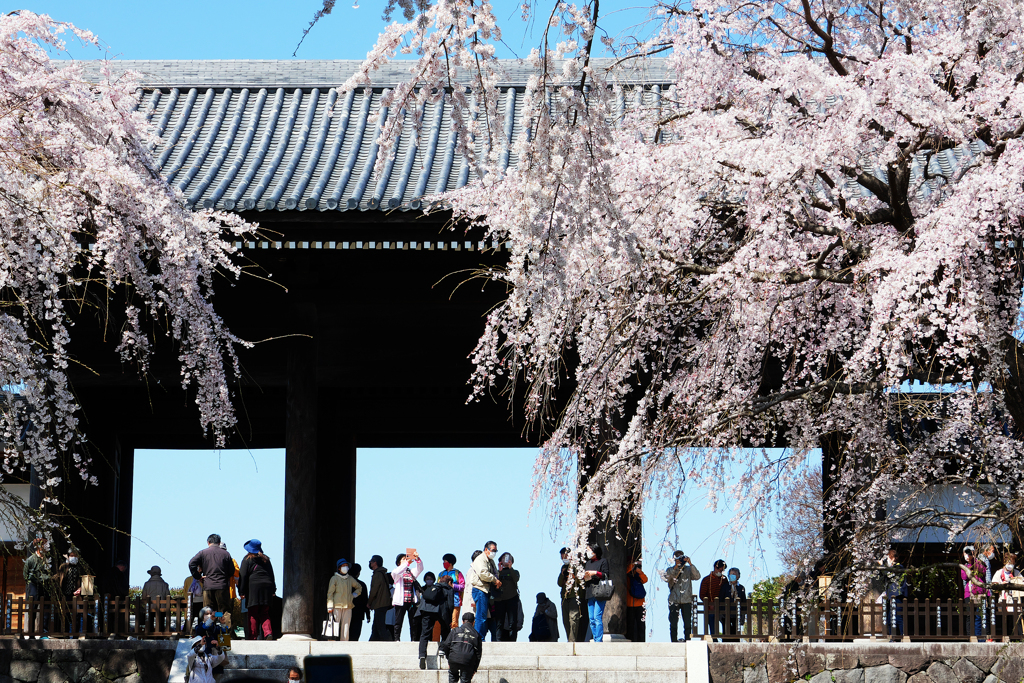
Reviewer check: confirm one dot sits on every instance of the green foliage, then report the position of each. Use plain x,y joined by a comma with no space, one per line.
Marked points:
938,583
768,590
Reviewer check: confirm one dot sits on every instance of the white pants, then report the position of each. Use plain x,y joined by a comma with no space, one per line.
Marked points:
342,619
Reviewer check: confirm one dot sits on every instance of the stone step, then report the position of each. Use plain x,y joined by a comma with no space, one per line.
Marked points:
482,676
489,661
406,649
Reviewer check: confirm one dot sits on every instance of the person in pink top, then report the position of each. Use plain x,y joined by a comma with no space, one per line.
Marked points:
404,597
972,571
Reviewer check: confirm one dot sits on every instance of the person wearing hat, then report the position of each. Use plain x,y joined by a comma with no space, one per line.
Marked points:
156,587
680,577
340,593
257,587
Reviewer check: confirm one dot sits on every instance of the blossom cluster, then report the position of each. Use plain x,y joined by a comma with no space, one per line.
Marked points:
90,233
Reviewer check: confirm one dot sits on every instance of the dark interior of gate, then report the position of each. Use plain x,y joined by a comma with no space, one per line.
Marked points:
351,291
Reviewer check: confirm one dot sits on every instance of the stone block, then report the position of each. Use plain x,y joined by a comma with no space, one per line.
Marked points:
886,673
278,675
809,663
911,662
984,663
848,675
661,663
373,676
822,677
276,647
50,673
507,662
941,673
594,663
267,661
119,663
618,649
920,677
24,670
133,678
756,674
416,676
722,667
841,660
154,665
632,677
991,678
553,649
1009,669
65,656
76,671
782,665
873,659
967,672
498,676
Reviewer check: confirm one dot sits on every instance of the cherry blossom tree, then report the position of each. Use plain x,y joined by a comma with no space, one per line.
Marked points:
91,234
821,211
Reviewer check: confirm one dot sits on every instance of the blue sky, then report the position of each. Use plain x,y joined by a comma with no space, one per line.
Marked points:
244,491
271,29
248,502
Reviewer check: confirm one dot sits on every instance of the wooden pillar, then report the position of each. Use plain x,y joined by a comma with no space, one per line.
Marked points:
300,478
335,497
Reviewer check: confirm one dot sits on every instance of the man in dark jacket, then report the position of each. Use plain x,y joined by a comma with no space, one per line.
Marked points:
213,566
437,601
545,621
359,602
463,649
379,601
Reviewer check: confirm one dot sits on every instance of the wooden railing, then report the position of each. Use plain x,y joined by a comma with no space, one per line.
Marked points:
98,617
919,620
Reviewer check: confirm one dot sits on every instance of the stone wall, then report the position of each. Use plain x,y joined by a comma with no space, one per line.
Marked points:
866,662
85,661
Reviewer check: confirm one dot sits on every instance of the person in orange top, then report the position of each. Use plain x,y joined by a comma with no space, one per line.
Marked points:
709,596
636,626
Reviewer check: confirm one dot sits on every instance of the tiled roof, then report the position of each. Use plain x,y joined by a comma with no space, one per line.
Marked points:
276,135
256,135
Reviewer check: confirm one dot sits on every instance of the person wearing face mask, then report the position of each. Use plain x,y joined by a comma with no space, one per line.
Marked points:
341,592
209,629
594,572
506,603
483,579
709,589
896,591
972,572
69,582
732,597
458,585
1008,574
573,597
680,577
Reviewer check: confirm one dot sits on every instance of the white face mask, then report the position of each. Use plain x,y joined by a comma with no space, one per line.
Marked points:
344,570
72,560
1009,568
566,561
208,622
888,561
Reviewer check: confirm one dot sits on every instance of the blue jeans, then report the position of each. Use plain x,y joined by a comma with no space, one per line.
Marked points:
595,608
481,599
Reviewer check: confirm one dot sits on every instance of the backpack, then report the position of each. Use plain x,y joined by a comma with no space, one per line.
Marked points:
433,595
636,588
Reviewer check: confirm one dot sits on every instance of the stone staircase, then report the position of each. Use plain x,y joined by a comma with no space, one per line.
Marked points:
615,662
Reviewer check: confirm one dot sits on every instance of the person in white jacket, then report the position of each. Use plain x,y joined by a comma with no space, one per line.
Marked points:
1010,598
340,594
404,598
